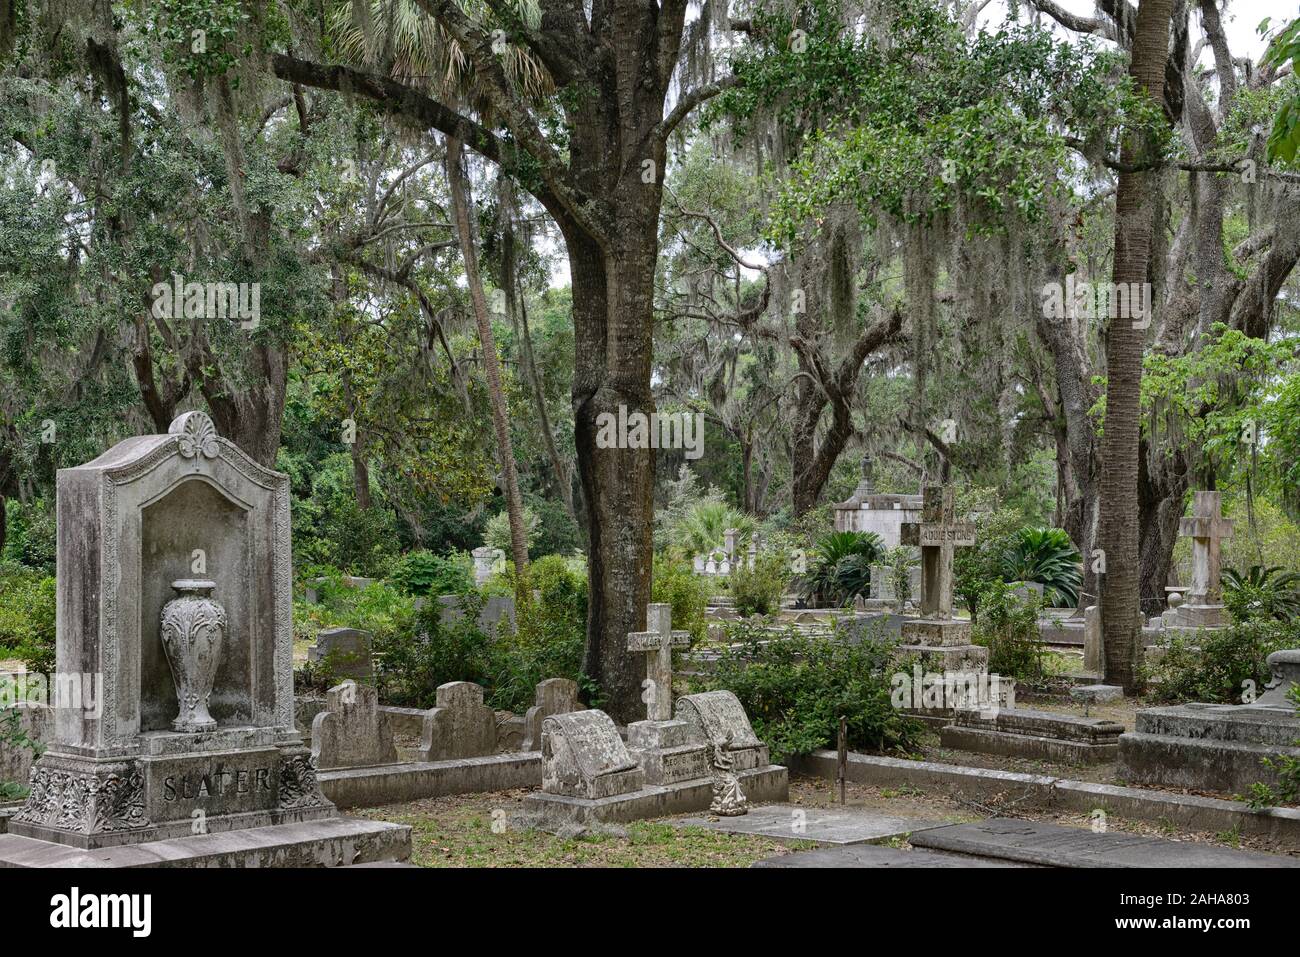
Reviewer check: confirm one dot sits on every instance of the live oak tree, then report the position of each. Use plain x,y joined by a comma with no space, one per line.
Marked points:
594,157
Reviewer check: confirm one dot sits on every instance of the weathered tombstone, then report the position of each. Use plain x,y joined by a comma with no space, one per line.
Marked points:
352,732
485,561
494,613
461,726
1094,658
662,746
194,731
719,719
1202,605
553,696
584,757
344,653
935,634
1207,747
731,547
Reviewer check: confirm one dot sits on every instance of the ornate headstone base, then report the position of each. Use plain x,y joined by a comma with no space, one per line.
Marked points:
239,778
1209,747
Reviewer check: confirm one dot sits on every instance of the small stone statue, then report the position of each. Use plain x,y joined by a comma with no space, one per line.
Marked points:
728,798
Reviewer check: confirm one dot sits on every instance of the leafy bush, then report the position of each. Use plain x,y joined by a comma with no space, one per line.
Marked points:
841,567
548,643
411,661
27,625
424,573
795,687
677,585
997,531
497,531
1008,627
379,608
1262,593
30,537
1046,556
1214,664
759,590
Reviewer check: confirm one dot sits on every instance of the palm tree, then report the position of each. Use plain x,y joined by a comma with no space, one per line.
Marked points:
396,36
1134,201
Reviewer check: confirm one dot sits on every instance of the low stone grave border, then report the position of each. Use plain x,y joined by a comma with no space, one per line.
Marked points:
1188,811
414,780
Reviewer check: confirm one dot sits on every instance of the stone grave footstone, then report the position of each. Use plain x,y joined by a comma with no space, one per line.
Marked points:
343,653
460,726
352,732
552,696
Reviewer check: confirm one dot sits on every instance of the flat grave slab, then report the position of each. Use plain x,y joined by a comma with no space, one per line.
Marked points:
791,822
333,842
873,855
1035,842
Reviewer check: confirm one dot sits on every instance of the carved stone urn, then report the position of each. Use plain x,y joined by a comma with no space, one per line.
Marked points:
193,625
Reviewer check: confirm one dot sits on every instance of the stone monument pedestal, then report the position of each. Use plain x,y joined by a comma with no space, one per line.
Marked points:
1212,747
192,733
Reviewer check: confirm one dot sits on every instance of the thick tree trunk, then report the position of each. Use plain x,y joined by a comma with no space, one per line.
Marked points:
1124,344
460,200
612,369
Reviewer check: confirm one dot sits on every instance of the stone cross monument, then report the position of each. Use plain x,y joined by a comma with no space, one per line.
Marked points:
942,640
1207,528
937,534
657,643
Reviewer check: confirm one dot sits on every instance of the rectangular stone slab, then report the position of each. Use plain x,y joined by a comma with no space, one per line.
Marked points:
789,822
1043,724
1034,842
873,855
336,842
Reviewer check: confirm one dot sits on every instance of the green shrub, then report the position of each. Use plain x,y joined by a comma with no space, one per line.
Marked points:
1048,557
1215,664
841,567
997,530
30,534
548,642
424,573
795,687
1262,593
676,584
412,660
379,608
759,590
1008,627
497,531
27,617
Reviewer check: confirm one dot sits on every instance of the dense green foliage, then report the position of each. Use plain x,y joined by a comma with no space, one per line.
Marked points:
1220,665
840,569
1048,557
1008,627
795,690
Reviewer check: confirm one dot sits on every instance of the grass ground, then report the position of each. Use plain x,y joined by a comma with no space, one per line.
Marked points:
458,832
